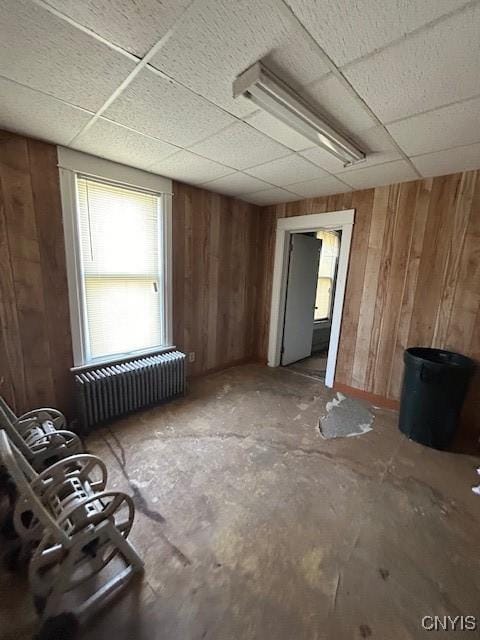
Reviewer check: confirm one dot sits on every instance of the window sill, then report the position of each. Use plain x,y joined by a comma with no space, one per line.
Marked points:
126,357
322,323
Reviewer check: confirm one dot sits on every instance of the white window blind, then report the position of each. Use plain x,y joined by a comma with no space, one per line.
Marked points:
326,274
121,268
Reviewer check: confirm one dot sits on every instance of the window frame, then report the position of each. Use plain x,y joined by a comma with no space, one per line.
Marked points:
73,164
328,319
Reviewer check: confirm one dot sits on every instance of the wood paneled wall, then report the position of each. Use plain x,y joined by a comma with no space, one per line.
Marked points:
215,277
413,279
214,271
35,342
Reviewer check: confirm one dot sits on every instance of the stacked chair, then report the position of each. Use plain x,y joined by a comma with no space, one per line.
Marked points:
69,525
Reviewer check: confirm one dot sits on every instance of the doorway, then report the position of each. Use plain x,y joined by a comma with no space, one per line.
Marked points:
310,292
292,323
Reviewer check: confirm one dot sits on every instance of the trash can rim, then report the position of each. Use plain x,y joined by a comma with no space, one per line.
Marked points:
421,355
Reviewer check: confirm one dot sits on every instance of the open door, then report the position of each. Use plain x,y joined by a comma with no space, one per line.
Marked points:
300,297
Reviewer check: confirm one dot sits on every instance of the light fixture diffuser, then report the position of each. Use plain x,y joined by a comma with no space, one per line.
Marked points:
272,94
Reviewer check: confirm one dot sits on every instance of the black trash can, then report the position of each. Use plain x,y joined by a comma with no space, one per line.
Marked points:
435,383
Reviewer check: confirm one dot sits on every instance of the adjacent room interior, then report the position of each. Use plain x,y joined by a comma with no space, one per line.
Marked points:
240,319
310,287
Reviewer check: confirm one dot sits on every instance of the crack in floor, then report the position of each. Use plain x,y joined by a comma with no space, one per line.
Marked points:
278,446
138,498
281,448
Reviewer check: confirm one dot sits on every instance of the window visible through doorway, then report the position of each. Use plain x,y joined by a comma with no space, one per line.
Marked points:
326,274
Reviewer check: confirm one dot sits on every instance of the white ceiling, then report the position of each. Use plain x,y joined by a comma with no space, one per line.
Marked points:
149,84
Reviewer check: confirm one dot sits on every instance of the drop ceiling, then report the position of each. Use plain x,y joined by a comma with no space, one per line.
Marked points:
149,84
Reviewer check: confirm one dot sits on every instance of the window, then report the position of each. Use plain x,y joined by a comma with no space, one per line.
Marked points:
326,274
117,242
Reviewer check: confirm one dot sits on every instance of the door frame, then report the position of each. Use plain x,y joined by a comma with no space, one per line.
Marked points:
333,220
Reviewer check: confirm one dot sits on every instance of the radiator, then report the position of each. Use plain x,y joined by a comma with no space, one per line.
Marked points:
114,390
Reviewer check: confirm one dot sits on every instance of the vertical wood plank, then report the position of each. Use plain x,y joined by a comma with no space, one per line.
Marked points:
223,317
12,377
235,294
48,220
266,259
470,419
414,251
27,274
362,202
201,257
458,227
369,293
252,281
178,264
395,278
189,300
213,283
382,284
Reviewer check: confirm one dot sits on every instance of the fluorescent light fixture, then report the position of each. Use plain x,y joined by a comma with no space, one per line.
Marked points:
273,95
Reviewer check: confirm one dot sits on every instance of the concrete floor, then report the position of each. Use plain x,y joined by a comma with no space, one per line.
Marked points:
253,527
315,365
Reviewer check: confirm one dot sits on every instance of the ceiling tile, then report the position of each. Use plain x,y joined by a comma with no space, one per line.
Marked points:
235,184
296,59
190,168
390,173
448,161
240,146
133,26
348,30
378,146
278,130
114,142
325,186
375,142
451,126
284,171
163,109
35,114
323,159
42,51
338,105
425,71
234,35
270,196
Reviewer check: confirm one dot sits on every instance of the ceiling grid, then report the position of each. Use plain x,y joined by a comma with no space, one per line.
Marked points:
152,87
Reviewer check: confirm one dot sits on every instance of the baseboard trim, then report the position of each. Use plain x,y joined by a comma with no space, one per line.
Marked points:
373,398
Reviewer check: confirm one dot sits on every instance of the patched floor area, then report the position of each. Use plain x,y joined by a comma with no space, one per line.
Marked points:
253,526
345,417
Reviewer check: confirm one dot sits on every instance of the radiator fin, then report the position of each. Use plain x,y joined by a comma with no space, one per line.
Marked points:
114,390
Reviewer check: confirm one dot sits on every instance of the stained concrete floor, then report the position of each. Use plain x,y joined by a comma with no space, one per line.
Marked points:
253,527
315,365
